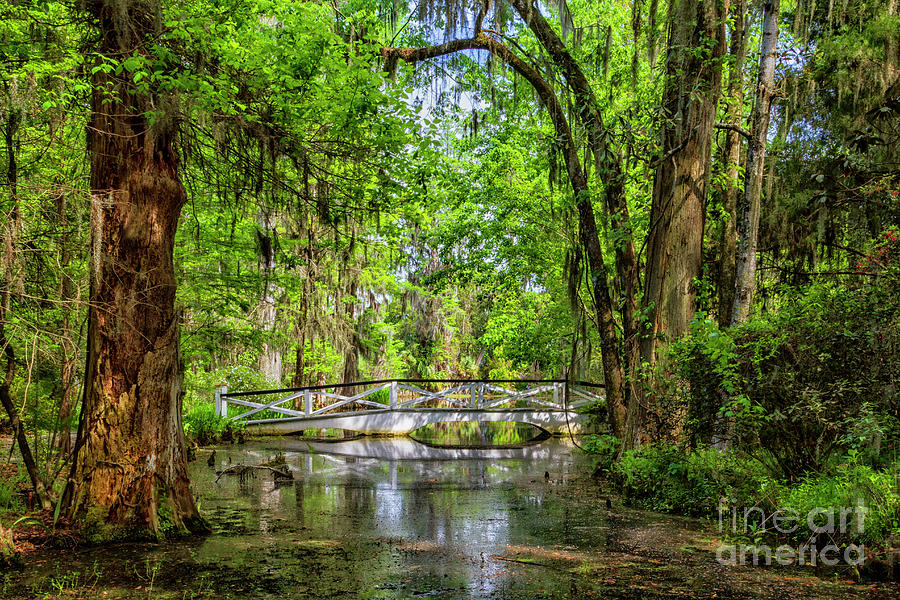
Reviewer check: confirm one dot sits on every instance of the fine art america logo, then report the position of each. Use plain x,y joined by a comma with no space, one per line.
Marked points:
821,527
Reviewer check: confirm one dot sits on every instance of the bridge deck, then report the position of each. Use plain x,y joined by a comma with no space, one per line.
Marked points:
401,406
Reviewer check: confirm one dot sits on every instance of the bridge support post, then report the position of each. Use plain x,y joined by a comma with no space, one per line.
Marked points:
307,402
221,403
392,403
556,394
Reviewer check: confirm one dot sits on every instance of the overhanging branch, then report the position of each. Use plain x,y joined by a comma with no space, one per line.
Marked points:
734,128
481,41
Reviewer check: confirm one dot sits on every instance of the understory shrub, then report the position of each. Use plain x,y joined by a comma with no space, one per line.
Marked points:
809,382
381,396
9,499
203,425
199,387
669,479
603,448
849,485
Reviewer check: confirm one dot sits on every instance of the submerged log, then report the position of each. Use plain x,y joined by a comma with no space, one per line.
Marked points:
243,471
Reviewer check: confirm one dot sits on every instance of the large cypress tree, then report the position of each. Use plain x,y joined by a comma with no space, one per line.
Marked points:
129,476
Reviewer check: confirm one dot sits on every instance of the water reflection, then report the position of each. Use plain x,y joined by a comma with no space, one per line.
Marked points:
479,434
365,519
407,449
431,524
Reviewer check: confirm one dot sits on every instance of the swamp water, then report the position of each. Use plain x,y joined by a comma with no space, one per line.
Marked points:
393,518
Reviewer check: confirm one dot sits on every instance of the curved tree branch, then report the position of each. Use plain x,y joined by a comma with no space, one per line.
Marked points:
612,363
735,128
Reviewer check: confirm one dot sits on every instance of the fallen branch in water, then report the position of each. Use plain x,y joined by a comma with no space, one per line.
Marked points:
243,470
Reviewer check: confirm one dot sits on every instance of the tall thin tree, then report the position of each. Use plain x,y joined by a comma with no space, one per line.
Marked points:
751,201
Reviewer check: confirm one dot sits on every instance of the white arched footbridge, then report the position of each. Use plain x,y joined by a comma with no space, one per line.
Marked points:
399,406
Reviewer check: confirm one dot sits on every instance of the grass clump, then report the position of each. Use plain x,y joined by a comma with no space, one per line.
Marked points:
202,424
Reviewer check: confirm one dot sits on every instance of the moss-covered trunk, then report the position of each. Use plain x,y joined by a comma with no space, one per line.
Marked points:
129,478
693,79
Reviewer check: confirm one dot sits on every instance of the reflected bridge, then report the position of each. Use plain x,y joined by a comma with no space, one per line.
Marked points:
400,406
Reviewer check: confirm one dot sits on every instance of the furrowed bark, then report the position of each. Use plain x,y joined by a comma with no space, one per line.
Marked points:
129,477
751,201
693,81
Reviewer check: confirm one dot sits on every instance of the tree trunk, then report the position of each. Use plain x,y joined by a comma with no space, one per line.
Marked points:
11,280
351,352
270,357
129,477
751,201
67,341
891,51
303,322
41,490
300,360
731,191
612,362
623,393
693,81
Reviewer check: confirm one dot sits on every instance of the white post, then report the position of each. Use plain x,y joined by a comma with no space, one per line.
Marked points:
473,390
556,393
221,402
307,402
393,396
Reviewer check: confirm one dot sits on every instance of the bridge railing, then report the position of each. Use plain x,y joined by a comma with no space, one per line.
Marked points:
408,394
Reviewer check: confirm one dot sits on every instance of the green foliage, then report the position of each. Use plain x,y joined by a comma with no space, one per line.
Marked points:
707,360
865,433
199,386
518,328
795,386
203,425
701,482
9,499
847,485
821,367
667,478
381,396
395,236
603,448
